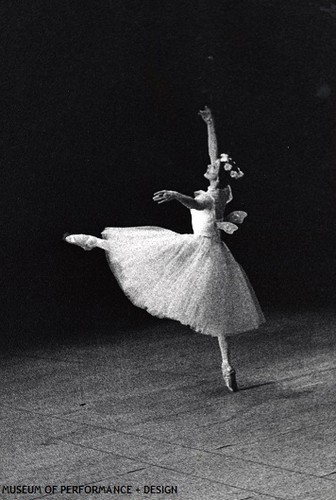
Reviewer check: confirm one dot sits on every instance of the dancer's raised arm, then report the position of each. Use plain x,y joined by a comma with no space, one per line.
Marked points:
207,116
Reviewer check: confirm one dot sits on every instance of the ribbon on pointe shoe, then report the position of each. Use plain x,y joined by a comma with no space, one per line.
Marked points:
229,377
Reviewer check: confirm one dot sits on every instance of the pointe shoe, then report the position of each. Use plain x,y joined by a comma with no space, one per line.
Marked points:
229,377
84,241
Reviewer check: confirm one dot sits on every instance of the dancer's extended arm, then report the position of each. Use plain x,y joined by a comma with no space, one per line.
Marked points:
189,202
207,116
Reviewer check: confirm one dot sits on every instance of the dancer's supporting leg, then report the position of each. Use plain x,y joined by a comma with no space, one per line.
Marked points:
86,241
228,372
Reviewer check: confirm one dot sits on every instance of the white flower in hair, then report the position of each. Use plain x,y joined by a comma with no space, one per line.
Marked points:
224,157
240,173
228,166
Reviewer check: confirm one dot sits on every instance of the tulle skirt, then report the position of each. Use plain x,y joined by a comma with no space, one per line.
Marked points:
185,277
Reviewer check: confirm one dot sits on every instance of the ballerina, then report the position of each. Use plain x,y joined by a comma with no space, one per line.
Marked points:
191,278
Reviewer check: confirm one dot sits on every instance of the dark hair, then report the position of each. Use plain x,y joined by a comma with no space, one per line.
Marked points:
224,175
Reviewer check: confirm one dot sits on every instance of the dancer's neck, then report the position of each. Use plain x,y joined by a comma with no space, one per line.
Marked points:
216,186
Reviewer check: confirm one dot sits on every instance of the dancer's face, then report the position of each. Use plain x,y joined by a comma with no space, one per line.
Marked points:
212,171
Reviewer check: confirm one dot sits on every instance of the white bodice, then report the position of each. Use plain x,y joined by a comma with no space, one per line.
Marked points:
204,221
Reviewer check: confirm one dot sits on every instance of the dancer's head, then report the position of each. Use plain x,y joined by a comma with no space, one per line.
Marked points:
222,172
213,172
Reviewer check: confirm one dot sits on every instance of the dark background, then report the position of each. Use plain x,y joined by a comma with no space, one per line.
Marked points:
99,110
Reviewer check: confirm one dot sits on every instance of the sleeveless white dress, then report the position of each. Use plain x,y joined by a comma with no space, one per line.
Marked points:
191,278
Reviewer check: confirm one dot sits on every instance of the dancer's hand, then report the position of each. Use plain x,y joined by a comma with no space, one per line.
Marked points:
164,196
206,114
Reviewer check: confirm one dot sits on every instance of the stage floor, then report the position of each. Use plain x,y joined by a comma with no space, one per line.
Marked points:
146,407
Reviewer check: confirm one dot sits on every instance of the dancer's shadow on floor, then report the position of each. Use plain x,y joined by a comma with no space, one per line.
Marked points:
255,386
222,390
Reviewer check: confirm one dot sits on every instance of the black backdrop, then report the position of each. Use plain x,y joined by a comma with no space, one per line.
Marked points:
100,104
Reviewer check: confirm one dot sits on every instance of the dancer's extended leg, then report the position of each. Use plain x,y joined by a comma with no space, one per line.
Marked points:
228,372
86,241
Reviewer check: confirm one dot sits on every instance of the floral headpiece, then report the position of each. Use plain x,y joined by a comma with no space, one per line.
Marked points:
228,166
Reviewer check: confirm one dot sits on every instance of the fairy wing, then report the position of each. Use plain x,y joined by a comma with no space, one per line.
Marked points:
236,217
227,227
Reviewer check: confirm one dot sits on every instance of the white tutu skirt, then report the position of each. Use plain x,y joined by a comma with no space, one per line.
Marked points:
185,277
